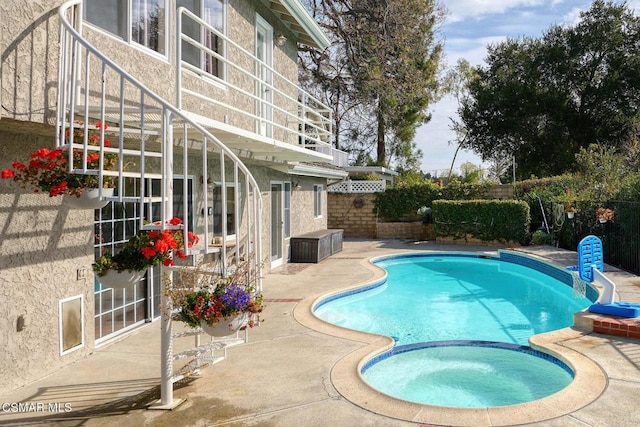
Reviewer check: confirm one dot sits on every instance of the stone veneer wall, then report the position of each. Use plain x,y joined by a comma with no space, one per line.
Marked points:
405,230
353,213
501,192
43,244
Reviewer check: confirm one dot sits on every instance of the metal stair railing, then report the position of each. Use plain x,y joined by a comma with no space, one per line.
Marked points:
313,119
153,140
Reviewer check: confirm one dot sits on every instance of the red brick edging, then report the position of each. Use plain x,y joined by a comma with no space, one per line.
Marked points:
621,327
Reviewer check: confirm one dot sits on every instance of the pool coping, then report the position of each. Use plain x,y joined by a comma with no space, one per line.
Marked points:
589,382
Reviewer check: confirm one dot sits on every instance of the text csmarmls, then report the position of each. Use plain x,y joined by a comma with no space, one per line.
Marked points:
17,407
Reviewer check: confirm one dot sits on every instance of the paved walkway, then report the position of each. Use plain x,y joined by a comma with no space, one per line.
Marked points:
282,376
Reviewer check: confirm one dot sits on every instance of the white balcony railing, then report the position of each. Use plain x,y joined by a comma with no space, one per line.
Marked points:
245,91
340,158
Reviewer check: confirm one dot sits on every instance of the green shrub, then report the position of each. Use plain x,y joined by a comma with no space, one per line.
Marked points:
487,220
400,202
539,237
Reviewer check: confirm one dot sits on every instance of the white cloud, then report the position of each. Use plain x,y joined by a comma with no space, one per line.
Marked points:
463,9
473,50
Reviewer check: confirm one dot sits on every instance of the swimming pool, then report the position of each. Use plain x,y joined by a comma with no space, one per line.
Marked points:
455,298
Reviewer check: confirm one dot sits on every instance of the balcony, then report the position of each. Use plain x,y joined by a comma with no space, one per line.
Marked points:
253,109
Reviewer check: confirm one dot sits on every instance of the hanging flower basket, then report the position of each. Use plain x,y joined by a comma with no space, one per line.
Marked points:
226,326
89,199
146,249
219,305
121,280
50,170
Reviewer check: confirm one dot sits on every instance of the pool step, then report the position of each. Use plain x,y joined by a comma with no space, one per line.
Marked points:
608,325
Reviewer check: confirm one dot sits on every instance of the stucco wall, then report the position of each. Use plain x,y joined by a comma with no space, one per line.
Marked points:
42,245
302,218
29,34
29,45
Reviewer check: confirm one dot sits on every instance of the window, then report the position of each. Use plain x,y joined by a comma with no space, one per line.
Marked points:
117,310
317,200
217,209
211,12
179,199
139,21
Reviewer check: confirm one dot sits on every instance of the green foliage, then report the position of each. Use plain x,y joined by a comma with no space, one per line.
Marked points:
602,170
541,100
488,220
547,188
539,237
402,202
630,189
457,190
409,178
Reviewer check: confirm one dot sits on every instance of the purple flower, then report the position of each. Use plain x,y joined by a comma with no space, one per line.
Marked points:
235,297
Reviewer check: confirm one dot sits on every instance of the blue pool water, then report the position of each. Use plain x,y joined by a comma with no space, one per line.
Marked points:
470,375
435,298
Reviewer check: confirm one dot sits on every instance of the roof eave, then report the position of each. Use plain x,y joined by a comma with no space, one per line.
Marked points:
310,26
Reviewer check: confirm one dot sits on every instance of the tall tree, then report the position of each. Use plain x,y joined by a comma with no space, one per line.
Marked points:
385,63
541,100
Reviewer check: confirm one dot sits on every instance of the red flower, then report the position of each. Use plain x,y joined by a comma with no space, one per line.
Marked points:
193,238
41,153
148,252
7,173
153,234
168,262
161,246
175,221
181,255
18,165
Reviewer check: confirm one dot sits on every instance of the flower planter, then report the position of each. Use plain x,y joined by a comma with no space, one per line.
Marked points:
125,279
602,220
570,215
226,326
89,199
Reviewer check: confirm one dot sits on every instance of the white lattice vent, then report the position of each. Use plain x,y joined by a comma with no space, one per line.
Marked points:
358,187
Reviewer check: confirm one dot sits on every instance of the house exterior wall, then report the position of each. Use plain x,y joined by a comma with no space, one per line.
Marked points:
29,67
43,244
30,54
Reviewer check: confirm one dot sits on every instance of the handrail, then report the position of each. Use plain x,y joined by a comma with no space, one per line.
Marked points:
150,123
176,114
313,119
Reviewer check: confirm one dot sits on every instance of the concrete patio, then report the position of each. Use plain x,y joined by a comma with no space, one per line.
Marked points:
282,376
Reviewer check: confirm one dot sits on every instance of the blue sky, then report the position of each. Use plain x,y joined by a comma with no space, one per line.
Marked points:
469,27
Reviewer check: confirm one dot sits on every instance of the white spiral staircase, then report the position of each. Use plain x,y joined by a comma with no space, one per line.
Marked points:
153,139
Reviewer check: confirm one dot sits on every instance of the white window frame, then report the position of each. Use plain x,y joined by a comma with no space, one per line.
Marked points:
286,207
128,37
317,200
218,184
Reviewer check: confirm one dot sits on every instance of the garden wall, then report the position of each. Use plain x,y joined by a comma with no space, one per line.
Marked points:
354,213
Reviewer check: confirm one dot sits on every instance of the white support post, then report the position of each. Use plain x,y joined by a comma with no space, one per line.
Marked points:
166,334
